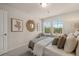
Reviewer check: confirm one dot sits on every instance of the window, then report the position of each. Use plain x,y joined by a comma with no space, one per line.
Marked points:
56,24
47,26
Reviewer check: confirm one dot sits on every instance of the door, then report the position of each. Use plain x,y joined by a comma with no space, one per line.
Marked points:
3,31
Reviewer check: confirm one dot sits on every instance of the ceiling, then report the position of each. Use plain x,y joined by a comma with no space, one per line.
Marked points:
51,10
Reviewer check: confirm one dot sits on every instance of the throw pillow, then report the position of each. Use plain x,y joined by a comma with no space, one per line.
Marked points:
77,49
55,41
71,43
61,41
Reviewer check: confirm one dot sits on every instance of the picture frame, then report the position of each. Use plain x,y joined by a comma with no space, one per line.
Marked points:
38,27
30,25
16,25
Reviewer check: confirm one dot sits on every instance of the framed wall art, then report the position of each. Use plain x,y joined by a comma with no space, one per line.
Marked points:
38,27
16,25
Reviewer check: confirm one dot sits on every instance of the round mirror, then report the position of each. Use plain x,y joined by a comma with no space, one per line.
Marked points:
30,25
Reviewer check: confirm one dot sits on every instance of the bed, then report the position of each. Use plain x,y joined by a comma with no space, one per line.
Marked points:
44,47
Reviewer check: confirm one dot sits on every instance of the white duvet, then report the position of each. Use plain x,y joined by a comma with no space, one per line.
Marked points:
39,47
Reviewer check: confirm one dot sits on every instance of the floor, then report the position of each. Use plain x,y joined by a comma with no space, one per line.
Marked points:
21,51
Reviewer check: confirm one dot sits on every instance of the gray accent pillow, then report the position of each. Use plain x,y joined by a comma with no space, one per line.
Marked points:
55,41
40,35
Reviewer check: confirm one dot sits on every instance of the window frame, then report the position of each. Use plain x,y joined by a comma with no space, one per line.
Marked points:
57,19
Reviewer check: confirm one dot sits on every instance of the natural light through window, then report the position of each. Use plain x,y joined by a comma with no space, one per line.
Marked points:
47,26
58,25
55,24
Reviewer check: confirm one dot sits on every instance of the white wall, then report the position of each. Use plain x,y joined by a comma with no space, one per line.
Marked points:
17,39
69,21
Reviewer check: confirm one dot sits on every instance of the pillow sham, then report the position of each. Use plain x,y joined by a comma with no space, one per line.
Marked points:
71,43
77,49
76,33
61,41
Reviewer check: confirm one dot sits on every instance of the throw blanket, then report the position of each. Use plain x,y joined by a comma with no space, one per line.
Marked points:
39,47
32,42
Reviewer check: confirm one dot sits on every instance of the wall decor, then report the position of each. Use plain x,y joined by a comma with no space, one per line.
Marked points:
38,27
30,25
16,25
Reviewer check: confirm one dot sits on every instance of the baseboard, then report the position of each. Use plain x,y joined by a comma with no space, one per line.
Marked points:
3,52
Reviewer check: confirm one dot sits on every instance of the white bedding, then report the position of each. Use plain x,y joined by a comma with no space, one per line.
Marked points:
45,47
52,50
39,47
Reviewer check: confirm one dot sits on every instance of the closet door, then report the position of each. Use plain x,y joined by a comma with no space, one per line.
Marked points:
3,31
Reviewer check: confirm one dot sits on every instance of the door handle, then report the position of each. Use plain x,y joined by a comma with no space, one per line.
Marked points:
5,34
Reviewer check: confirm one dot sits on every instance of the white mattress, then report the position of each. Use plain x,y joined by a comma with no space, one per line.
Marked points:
54,51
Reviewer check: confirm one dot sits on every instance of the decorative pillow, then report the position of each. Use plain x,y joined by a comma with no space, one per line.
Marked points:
39,35
76,33
77,49
71,43
55,41
61,41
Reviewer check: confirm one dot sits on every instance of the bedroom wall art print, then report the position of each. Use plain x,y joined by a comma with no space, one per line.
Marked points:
16,25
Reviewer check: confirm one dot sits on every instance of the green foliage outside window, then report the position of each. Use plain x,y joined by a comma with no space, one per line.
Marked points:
56,24
57,30
47,30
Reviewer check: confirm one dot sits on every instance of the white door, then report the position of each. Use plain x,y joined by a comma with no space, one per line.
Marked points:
3,31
